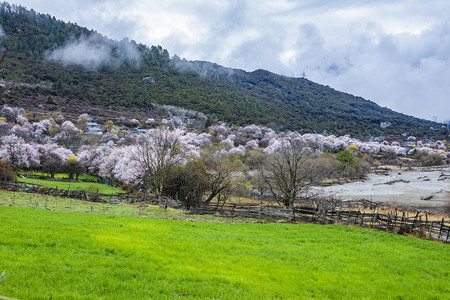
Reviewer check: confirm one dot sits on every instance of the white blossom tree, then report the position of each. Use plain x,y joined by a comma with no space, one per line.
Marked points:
11,113
92,156
157,154
135,122
19,153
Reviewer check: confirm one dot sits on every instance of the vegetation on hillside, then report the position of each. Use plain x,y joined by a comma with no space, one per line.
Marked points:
98,72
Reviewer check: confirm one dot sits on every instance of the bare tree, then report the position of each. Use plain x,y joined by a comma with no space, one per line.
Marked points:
323,205
220,167
189,183
73,168
290,171
53,166
158,153
6,171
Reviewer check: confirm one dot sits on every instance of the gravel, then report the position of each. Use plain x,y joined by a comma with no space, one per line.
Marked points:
421,188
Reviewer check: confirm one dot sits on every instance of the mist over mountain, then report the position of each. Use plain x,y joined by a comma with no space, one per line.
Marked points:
84,71
93,51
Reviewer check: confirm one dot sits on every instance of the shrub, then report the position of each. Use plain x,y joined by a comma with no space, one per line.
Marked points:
345,163
431,160
351,166
353,148
50,100
6,171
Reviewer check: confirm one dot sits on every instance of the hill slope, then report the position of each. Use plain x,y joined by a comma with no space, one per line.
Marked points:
85,72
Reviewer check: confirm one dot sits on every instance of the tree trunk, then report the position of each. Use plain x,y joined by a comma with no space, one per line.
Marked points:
213,194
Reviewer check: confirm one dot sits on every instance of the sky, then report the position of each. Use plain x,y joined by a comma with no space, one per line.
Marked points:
393,52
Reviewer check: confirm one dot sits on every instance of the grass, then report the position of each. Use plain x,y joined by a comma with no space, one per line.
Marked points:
37,201
76,185
48,254
83,177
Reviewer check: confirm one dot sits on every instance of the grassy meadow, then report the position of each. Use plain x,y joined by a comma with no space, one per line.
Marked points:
37,201
74,185
82,177
49,254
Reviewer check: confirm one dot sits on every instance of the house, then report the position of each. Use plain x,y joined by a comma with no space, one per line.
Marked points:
408,144
139,130
93,128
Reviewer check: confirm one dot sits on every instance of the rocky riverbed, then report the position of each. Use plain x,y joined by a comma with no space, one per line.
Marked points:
421,188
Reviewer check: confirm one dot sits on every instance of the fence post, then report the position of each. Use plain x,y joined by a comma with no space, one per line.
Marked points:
440,230
336,218
420,224
395,220
415,220
448,232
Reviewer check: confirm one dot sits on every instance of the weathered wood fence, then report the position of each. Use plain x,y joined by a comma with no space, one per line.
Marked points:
90,196
362,212
40,189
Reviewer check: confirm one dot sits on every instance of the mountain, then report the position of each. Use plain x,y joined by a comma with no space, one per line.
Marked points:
64,67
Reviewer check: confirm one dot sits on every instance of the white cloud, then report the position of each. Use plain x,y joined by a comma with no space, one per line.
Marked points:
394,52
94,51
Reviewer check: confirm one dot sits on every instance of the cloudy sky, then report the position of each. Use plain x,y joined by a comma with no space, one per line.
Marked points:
393,52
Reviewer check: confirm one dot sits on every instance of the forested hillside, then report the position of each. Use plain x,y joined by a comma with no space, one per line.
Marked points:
60,65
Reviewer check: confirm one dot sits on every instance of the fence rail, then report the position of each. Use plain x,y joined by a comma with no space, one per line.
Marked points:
361,212
89,196
346,212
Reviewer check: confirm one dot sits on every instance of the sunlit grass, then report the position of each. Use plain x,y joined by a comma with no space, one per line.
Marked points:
83,177
37,201
75,185
48,254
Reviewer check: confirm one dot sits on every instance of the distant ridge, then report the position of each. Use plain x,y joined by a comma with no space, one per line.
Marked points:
84,71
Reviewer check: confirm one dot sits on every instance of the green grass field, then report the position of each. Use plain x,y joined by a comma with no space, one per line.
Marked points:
82,177
76,185
47,254
37,201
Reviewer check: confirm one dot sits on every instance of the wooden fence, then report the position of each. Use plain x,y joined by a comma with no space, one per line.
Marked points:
90,196
40,189
362,212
